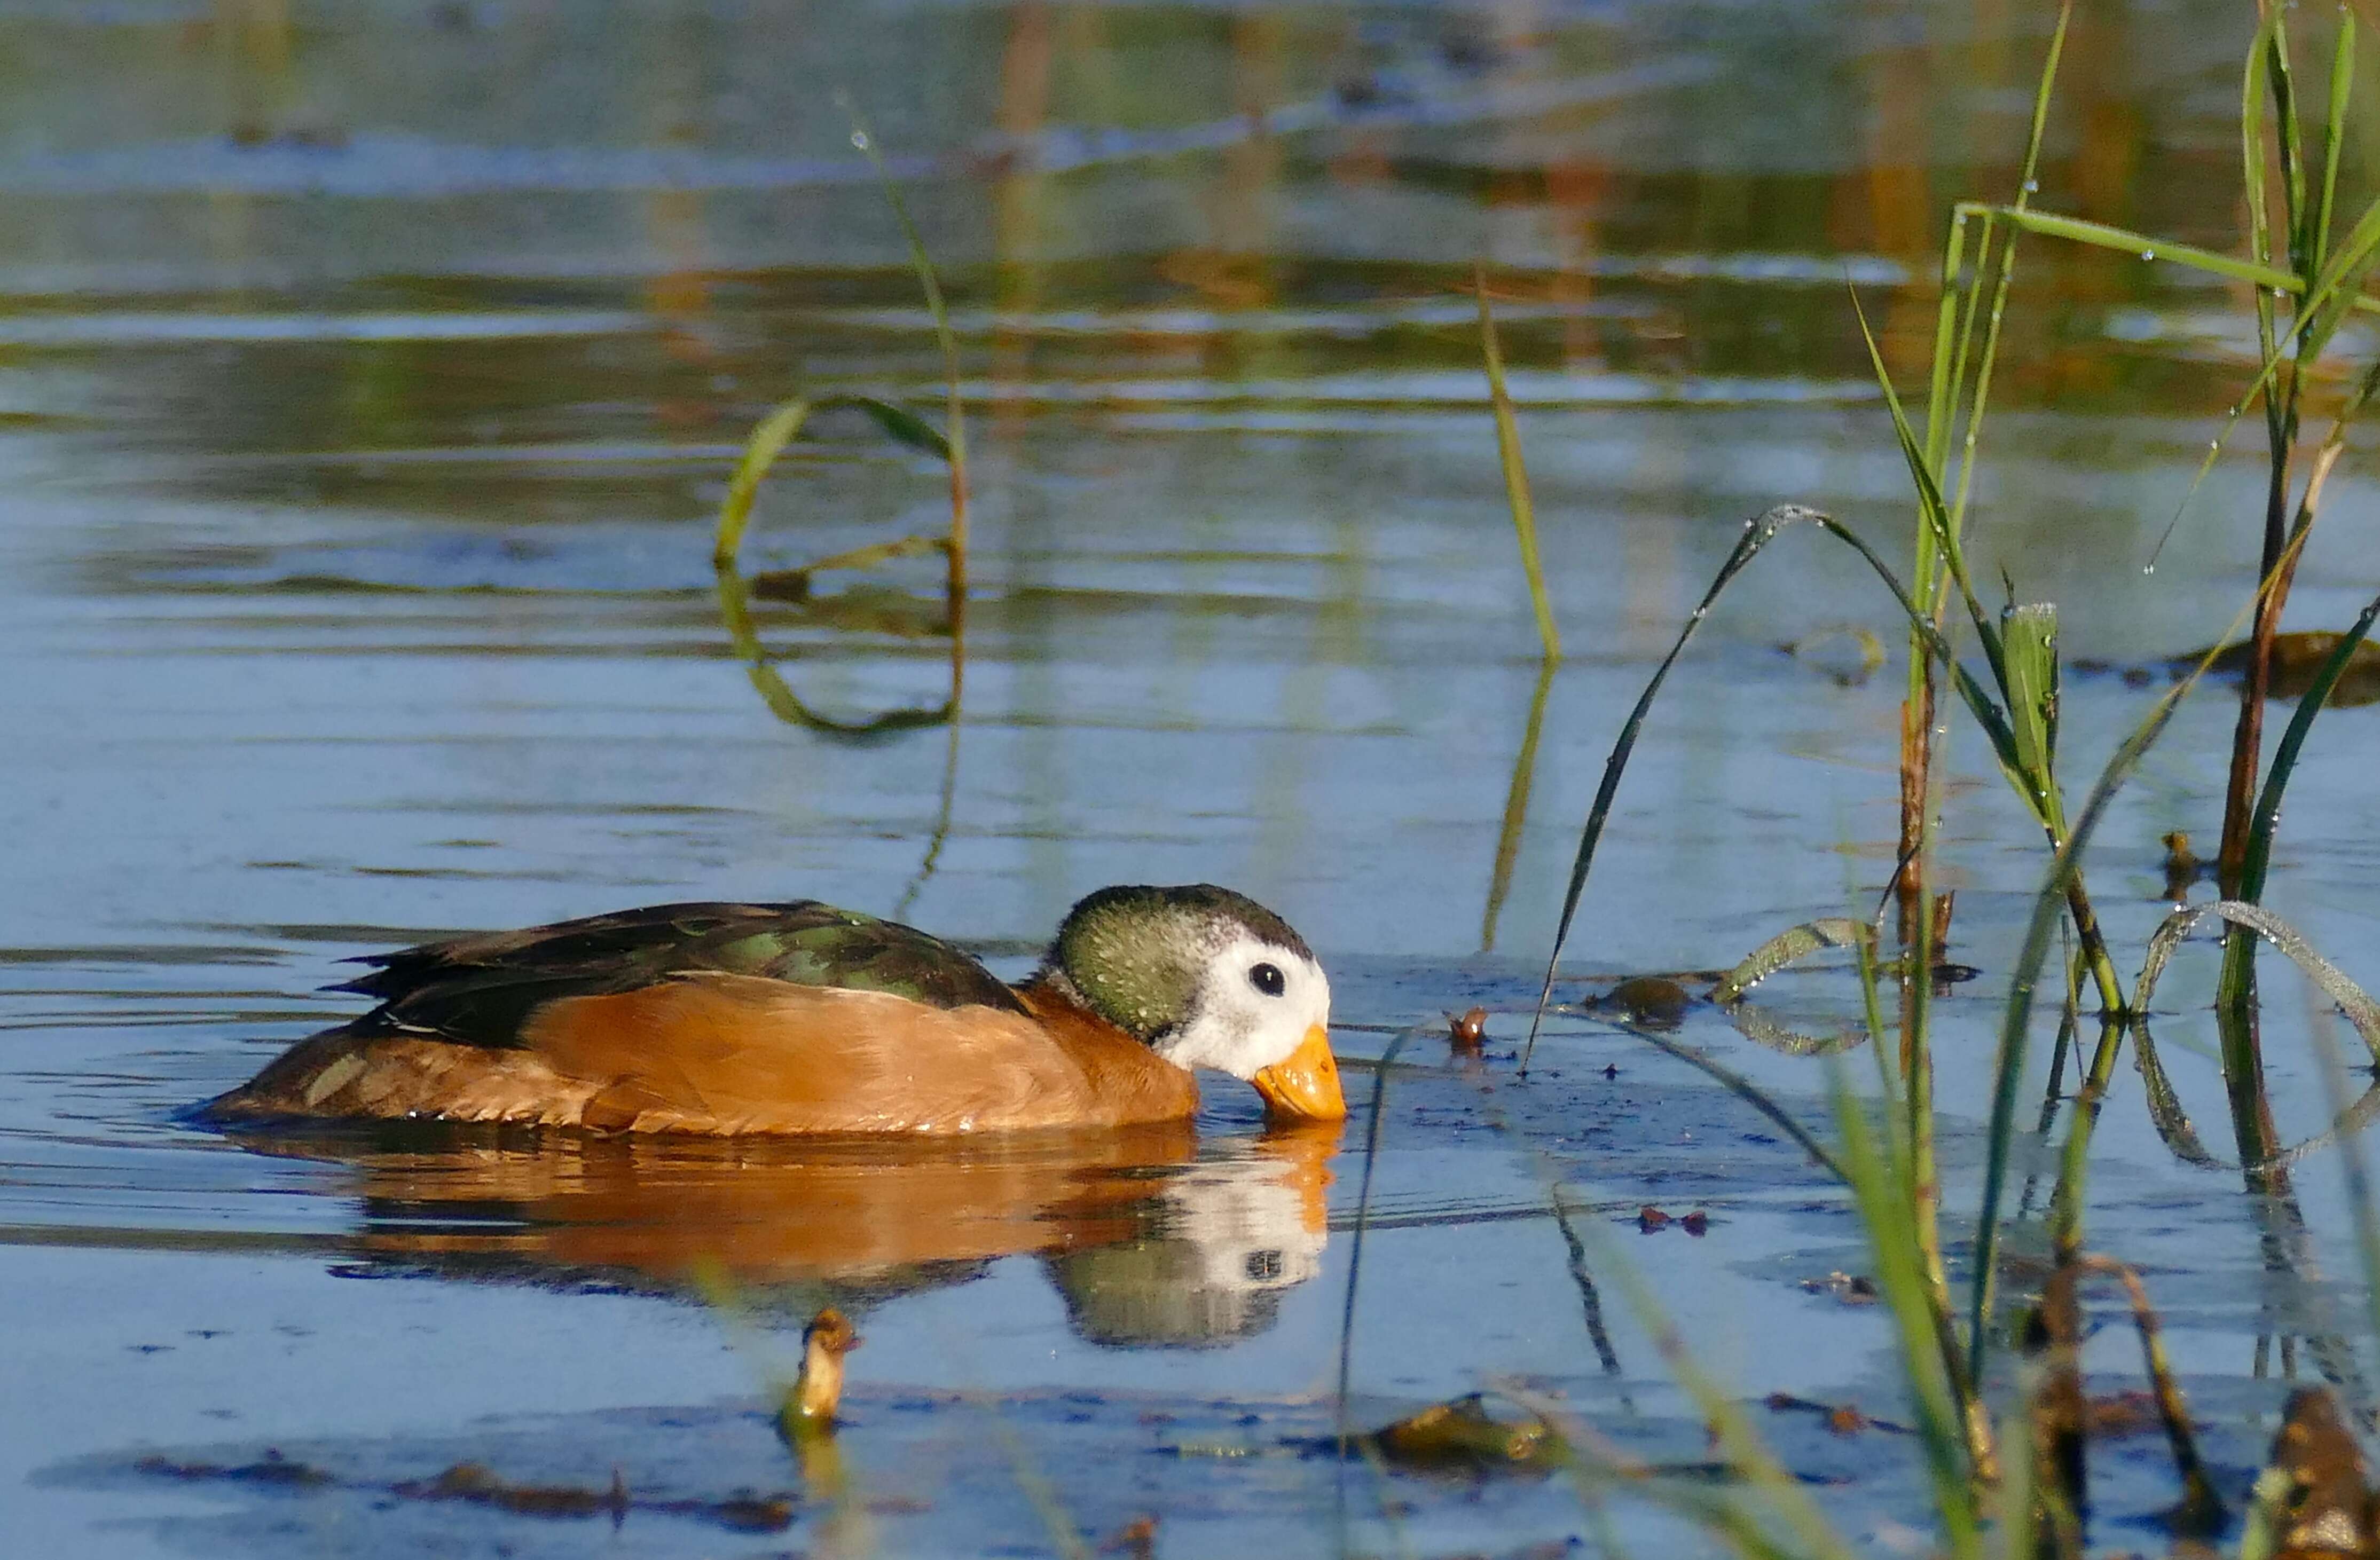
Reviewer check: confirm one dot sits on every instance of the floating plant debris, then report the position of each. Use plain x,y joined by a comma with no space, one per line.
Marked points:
1463,1434
477,1484
1468,1029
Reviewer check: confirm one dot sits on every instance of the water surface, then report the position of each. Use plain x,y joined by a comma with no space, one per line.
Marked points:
370,375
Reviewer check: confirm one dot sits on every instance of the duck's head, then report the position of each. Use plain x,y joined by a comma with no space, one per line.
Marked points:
1206,978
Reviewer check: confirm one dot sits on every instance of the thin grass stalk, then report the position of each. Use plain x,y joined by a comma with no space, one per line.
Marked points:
1896,1241
2286,753
1975,1418
1934,554
1923,1185
1363,1220
1758,533
1740,1443
2038,787
2268,69
2008,266
954,416
2202,1509
1516,474
2342,87
2236,985
1516,809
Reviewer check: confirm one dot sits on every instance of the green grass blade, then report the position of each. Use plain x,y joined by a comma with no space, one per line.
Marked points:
1739,1442
1787,947
1929,496
1363,1218
1757,534
781,427
2285,755
2334,131
2017,1014
1516,475
1939,412
2101,236
761,452
2026,185
2282,81
2029,634
1900,1277
955,410
2353,1000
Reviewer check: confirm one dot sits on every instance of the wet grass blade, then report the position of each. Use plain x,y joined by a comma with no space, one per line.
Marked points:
1757,534
1930,504
2360,1009
2285,754
1363,1218
2030,644
2099,235
1516,475
1516,810
781,427
1787,947
1739,1442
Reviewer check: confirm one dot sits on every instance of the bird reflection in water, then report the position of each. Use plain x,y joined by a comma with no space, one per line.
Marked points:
1153,1235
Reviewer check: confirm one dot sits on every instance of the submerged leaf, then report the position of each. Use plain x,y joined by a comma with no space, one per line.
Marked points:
2298,659
1790,947
1463,1434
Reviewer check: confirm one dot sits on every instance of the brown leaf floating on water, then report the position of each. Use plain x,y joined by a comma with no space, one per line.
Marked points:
1467,1031
1650,1218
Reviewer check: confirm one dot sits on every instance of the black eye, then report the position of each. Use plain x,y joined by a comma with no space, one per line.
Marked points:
1267,979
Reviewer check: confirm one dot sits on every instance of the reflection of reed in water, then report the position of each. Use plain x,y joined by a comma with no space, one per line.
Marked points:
1153,1236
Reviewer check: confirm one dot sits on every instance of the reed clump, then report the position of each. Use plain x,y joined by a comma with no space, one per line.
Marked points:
2006,1440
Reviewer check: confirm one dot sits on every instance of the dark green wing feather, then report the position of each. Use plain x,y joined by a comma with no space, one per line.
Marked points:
481,989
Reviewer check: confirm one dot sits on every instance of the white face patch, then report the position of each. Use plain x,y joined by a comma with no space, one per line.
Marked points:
1256,1000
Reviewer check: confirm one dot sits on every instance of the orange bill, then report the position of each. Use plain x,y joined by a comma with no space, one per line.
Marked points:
1304,1086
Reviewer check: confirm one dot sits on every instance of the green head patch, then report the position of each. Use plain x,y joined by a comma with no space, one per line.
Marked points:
1136,953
